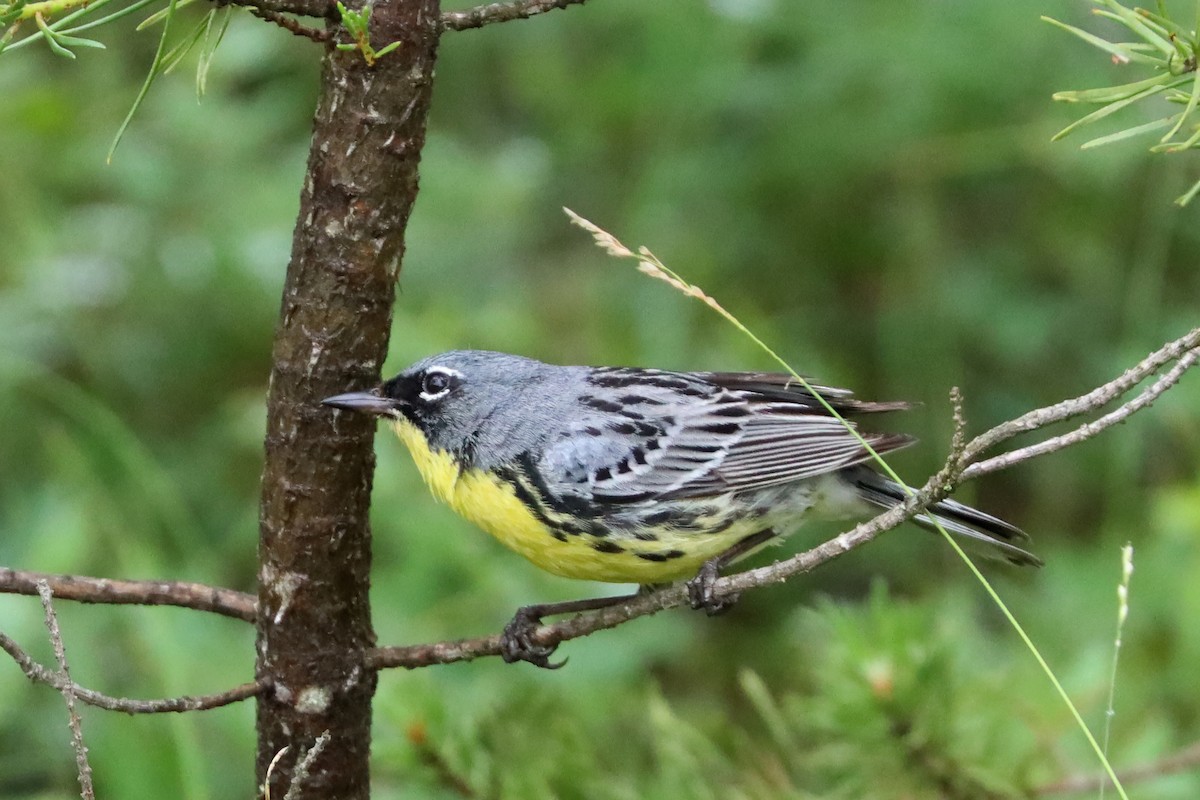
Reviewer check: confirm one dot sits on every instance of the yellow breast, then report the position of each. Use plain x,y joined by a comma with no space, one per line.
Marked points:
492,504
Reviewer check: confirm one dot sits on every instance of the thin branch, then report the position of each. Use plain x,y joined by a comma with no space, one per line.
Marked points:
1089,429
1185,759
300,773
83,589
958,468
82,767
40,674
304,8
290,24
1093,400
501,12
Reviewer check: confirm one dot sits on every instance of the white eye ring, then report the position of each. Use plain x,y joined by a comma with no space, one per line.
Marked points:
437,382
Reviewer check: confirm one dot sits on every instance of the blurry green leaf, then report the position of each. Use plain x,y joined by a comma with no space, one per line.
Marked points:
1136,24
155,69
60,25
1110,94
12,12
185,45
213,34
1189,195
1164,24
159,16
1129,133
52,39
1121,51
124,12
1112,108
75,41
1187,112
1178,147
768,709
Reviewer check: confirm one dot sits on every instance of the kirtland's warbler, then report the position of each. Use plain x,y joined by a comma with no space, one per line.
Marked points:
645,476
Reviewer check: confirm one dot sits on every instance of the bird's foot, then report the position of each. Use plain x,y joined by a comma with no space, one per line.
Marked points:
517,644
700,589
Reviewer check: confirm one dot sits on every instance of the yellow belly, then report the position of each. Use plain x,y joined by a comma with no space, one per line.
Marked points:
493,505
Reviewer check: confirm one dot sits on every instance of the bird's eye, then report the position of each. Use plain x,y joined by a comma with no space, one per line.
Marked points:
434,384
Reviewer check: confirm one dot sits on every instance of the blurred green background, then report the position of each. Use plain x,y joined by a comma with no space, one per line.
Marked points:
869,185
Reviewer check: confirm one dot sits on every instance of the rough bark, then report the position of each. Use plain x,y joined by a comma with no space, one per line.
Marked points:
315,543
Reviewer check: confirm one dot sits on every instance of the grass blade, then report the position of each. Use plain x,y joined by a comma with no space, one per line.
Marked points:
649,264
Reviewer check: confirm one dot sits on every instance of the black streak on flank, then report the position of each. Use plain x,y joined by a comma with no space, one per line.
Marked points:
659,557
565,524
565,506
607,547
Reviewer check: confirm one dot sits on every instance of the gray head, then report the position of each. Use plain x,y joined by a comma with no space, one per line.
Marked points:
481,406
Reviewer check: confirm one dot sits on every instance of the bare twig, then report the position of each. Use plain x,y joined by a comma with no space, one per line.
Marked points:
82,766
40,674
305,8
83,589
1089,429
300,773
1084,404
1185,759
500,12
289,24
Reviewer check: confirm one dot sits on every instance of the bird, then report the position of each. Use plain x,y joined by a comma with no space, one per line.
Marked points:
640,475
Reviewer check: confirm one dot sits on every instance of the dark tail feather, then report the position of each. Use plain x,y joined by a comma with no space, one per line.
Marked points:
955,517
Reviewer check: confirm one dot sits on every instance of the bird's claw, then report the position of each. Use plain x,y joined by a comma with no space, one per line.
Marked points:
701,594
517,644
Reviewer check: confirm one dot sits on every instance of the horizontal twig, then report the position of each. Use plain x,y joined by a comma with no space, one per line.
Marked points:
289,24
83,589
1089,429
303,8
500,12
40,674
1084,404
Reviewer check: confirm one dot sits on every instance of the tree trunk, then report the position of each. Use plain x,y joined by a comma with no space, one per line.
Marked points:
314,622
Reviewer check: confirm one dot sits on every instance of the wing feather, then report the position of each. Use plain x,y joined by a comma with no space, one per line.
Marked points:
699,434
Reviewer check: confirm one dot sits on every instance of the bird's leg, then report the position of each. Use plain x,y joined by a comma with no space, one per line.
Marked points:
700,588
517,644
